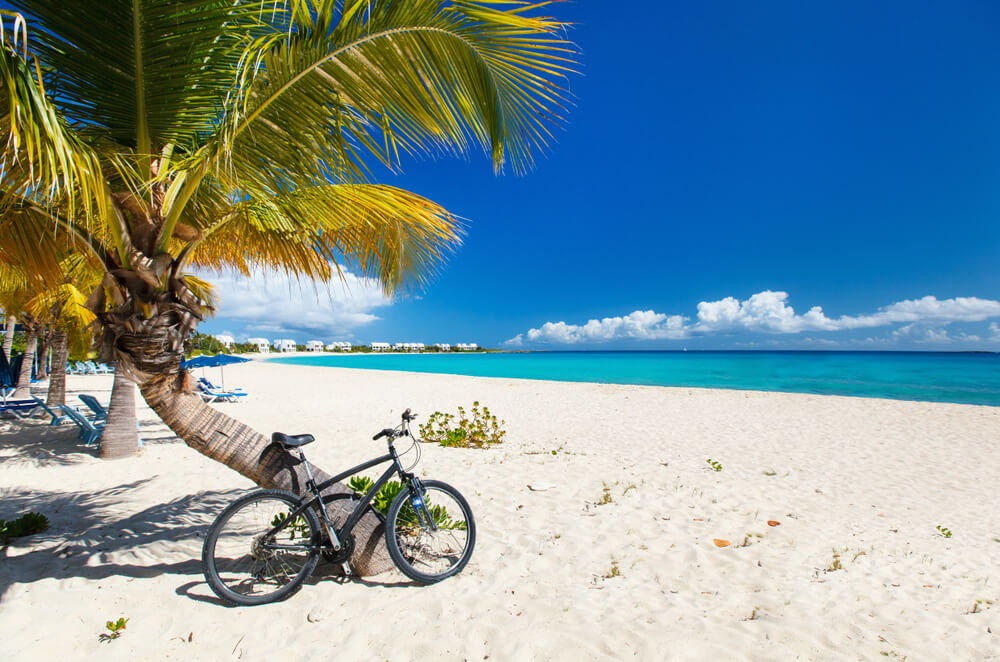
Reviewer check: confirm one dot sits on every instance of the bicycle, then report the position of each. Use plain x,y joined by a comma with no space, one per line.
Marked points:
264,545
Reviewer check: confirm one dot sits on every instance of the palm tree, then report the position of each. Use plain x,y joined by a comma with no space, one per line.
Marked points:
8,335
221,134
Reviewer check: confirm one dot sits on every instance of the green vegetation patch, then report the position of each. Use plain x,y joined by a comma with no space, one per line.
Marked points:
477,429
25,525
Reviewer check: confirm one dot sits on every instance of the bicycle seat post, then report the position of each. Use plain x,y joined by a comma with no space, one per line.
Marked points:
311,485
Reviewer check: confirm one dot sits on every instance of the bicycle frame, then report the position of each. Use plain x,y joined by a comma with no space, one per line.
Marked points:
359,510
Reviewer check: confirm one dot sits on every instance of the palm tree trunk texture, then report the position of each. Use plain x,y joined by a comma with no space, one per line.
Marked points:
8,336
23,391
120,438
245,450
41,352
57,378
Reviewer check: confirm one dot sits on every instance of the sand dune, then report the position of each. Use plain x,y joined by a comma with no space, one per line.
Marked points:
855,569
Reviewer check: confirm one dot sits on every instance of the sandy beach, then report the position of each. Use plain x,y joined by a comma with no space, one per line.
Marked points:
855,569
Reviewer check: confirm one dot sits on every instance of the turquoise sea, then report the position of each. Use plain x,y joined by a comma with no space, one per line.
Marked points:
969,378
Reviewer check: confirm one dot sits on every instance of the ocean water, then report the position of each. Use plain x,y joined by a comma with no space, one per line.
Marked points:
968,378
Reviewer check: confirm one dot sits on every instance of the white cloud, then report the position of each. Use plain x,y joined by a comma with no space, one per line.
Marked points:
641,324
274,304
516,341
769,312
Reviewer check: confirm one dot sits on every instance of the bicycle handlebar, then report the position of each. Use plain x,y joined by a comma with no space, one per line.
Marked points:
390,432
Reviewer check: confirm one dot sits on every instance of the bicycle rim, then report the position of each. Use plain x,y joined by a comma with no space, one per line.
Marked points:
246,568
431,553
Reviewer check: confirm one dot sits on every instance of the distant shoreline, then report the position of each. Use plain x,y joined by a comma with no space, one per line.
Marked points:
956,377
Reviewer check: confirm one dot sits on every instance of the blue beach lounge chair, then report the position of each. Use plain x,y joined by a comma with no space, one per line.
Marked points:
23,408
90,431
209,393
99,412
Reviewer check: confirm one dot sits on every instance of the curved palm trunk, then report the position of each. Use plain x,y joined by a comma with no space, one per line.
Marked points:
167,390
57,378
8,336
120,438
23,391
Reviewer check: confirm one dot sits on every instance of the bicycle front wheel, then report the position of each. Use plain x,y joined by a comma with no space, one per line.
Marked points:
430,536
244,565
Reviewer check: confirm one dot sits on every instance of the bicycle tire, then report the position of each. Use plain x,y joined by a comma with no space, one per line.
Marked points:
422,554
242,573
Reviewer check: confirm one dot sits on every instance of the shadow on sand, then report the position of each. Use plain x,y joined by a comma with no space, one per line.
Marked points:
88,536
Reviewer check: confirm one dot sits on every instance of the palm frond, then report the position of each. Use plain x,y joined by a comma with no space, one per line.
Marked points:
144,72
381,232
42,157
421,76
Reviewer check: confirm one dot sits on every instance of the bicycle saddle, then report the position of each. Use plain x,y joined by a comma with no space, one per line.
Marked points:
292,441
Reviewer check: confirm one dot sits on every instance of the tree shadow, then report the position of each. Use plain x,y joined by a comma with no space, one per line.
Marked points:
89,538
45,444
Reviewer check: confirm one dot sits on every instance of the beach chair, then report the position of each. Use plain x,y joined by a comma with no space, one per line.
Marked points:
104,369
24,408
99,412
90,431
18,408
212,386
210,393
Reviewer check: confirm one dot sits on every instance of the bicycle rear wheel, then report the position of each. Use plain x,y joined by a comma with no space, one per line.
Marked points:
424,551
245,567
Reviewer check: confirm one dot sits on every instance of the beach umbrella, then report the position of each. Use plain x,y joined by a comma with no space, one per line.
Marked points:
217,361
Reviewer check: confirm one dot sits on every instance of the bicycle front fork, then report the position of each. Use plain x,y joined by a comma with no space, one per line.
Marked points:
418,500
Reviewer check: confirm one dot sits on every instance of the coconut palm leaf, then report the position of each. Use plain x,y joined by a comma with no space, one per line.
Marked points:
423,76
43,157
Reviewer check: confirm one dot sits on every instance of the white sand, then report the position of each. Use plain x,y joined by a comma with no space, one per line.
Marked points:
862,481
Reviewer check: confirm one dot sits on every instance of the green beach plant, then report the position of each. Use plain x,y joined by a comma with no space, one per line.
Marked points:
944,531
614,571
114,629
381,502
25,525
714,465
480,429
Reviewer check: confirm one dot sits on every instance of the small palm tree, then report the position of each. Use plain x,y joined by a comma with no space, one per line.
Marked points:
160,134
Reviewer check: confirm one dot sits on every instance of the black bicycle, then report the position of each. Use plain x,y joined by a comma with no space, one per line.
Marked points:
267,543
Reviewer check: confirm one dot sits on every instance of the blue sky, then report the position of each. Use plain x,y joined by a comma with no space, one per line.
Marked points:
724,162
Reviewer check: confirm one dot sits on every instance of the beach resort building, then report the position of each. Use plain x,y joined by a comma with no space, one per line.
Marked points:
263,344
466,347
379,346
314,346
284,345
443,346
408,347
339,346
226,340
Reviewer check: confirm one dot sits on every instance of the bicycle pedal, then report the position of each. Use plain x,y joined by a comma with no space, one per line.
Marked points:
346,568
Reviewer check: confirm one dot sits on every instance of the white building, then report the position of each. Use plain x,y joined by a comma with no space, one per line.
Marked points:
226,340
379,346
443,346
339,346
263,344
284,345
466,347
314,346
408,347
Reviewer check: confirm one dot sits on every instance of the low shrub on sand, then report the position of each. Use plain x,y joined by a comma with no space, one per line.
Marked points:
480,429
25,525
